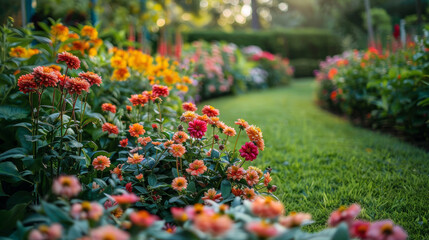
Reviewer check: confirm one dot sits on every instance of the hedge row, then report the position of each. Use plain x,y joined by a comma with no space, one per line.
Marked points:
293,44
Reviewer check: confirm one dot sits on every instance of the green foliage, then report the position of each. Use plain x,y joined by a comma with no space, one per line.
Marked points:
323,161
293,44
304,67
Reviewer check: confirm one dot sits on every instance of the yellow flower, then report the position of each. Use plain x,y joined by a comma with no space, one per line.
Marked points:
92,52
118,62
59,32
88,31
182,87
121,74
18,51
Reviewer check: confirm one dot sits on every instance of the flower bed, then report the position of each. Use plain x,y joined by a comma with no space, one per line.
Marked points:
386,91
94,159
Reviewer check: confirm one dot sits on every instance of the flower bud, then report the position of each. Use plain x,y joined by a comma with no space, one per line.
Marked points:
221,147
216,137
180,127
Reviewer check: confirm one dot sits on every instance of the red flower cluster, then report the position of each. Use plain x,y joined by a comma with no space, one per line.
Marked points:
160,91
46,76
108,107
26,83
110,128
71,60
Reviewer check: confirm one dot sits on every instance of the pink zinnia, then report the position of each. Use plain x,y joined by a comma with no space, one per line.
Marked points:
386,230
179,214
66,186
359,229
71,60
262,229
294,219
77,85
344,214
196,168
249,151
126,198
91,77
160,91
109,232
197,128
143,218
87,210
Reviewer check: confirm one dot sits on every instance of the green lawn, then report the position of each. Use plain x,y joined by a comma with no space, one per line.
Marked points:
322,162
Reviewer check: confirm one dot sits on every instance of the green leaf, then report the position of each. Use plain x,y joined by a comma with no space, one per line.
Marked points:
100,153
341,233
215,153
142,190
151,180
225,188
9,172
9,218
56,214
10,113
191,187
13,153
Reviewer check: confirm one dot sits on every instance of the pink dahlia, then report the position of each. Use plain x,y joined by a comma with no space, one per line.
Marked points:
160,91
91,77
386,230
249,151
359,229
71,60
197,128
344,214
66,186
77,85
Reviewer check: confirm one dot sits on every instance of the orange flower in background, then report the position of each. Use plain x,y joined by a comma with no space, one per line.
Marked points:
332,73
139,177
267,207
179,184
237,192
136,130
138,99
182,88
59,32
108,107
217,225
196,168
188,116
259,171
66,186
73,36
129,108
118,62
229,131
88,31
220,125
156,143
18,52
255,134
126,198
101,163
188,106
143,218
177,150
243,124
135,159
333,95
71,60
80,45
168,143
267,179
121,74
110,128
144,141
180,137
252,177
294,219
204,118
262,229
210,111
108,232
118,172
56,67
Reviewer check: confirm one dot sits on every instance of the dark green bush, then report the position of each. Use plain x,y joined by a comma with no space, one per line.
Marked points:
304,67
293,44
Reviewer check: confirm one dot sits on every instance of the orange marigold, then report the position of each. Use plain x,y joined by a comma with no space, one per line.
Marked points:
59,32
196,168
121,74
89,32
136,130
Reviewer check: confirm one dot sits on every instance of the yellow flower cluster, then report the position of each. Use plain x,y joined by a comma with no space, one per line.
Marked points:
21,52
87,43
158,70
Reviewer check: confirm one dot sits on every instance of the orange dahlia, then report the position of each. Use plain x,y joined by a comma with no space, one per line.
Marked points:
144,141
180,137
160,91
136,130
177,150
179,183
88,31
168,143
252,177
138,99
71,60
188,116
211,194
229,131
110,128
188,106
243,124
135,159
101,163
249,194
196,168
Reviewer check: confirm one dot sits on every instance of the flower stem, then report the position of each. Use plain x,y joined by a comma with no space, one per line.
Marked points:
236,141
177,166
213,136
160,117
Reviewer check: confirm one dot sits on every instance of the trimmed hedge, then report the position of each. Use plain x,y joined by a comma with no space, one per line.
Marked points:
304,67
293,43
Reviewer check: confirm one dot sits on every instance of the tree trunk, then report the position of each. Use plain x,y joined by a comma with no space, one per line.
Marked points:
369,23
256,25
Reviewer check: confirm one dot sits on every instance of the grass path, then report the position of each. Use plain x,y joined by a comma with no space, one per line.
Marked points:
322,162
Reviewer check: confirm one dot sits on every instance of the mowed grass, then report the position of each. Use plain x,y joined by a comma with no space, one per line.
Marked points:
322,162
